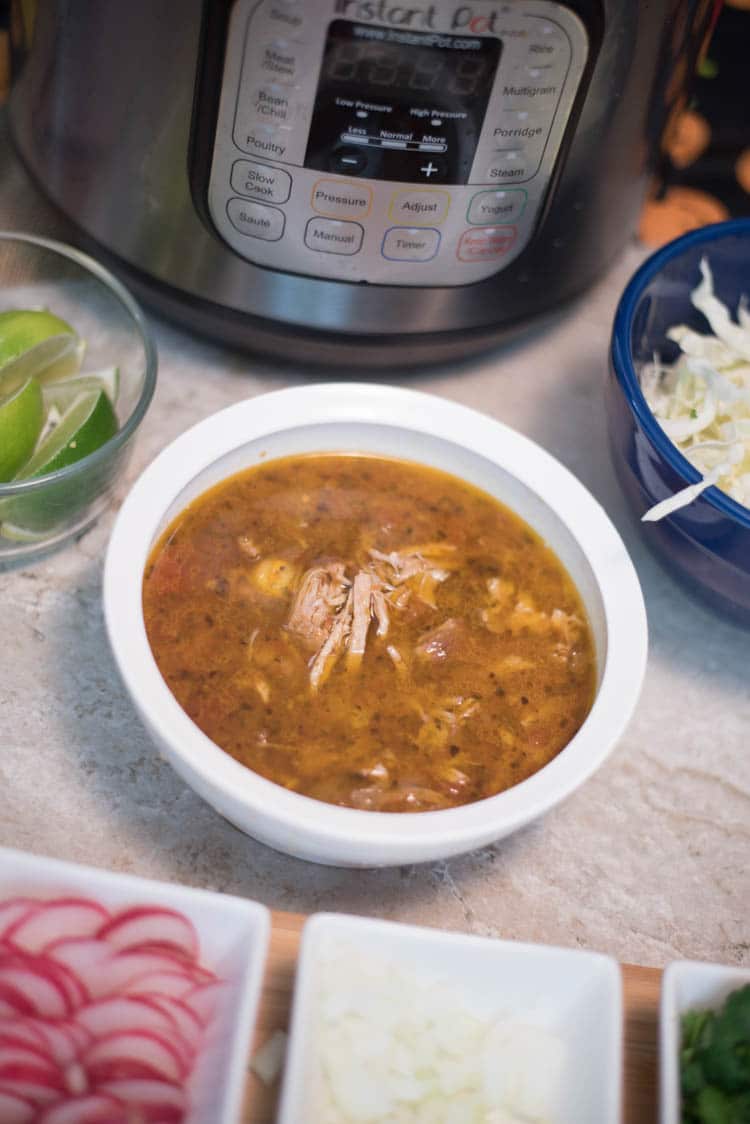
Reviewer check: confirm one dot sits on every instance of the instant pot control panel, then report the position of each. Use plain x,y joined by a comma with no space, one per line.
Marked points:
396,144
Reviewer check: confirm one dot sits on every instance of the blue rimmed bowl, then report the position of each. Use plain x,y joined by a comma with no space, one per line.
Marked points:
707,544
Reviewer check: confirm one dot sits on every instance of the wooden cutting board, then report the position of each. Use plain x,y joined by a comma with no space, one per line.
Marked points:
641,1002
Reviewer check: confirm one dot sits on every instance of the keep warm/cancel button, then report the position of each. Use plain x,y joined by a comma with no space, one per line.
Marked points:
338,199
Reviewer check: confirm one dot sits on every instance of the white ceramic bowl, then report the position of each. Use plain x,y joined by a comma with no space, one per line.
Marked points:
573,995
435,432
233,935
687,985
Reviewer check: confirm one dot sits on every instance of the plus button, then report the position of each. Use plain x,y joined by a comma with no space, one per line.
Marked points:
429,169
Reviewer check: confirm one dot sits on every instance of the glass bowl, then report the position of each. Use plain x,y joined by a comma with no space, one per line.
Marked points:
45,511
706,545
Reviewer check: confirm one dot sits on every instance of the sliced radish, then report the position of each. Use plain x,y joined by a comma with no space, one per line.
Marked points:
39,1092
21,1032
64,1040
87,958
92,1109
14,910
174,984
185,1018
154,927
128,965
158,1101
15,1109
121,1013
32,993
133,1054
55,920
205,999
24,1063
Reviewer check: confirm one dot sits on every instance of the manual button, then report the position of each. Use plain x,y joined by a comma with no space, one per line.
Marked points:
420,208
260,181
332,237
403,243
256,220
337,199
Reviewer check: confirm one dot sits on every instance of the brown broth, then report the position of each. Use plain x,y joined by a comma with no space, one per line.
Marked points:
486,672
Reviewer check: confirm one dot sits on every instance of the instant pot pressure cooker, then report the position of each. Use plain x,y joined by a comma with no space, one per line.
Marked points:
353,181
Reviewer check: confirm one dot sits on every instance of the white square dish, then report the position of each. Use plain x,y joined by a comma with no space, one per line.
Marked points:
233,935
687,985
568,999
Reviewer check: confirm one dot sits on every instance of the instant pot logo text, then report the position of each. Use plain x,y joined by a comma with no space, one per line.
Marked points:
464,18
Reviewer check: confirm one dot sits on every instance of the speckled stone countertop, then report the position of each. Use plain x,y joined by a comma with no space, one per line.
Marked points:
648,861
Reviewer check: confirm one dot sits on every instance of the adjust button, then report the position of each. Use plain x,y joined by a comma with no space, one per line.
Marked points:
485,243
332,237
256,220
402,243
505,205
337,199
420,208
260,181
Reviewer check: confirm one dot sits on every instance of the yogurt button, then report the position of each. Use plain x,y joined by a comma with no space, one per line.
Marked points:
495,207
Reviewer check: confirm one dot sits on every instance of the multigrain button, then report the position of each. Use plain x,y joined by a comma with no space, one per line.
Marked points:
333,237
337,199
485,243
260,181
256,220
402,243
495,207
420,208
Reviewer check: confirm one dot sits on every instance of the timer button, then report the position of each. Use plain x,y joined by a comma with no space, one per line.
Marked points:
420,208
256,220
402,243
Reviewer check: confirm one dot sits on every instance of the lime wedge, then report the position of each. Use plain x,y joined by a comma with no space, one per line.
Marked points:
62,394
21,534
58,357
23,329
83,428
21,419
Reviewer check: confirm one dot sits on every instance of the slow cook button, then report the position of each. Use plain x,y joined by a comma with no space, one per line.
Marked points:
256,220
332,237
402,243
505,205
337,199
260,181
420,208
485,243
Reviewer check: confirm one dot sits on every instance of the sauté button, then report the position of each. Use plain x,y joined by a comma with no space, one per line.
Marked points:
332,237
420,208
485,243
260,181
403,243
256,220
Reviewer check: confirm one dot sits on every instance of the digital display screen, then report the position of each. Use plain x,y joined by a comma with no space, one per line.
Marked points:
400,105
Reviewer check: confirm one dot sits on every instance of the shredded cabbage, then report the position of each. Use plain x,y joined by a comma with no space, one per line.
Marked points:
702,401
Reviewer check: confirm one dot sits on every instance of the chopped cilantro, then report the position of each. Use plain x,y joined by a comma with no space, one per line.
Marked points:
715,1063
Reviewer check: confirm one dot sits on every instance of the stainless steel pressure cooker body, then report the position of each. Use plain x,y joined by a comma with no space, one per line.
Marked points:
352,181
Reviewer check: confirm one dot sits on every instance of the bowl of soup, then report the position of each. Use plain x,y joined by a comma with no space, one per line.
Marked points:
370,626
